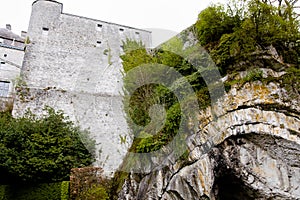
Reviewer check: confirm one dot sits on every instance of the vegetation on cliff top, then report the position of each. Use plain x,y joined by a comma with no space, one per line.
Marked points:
242,33
241,36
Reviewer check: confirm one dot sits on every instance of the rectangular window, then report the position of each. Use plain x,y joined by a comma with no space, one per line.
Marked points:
45,31
2,65
4,88
98,44
99,27
121,30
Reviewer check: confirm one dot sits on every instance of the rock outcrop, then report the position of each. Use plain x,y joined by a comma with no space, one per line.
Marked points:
247,147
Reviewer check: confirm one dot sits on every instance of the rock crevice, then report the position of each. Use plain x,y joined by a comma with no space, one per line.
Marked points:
247,147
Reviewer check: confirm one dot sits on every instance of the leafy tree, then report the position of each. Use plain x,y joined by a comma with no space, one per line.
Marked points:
213,22
42,149
251,32
239,36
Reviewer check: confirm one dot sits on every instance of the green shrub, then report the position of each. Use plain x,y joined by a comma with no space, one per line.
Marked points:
65,188
45,191
40,150
96,192
4,192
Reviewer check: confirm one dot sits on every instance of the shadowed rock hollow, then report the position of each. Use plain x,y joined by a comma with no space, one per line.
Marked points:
246,144
247,147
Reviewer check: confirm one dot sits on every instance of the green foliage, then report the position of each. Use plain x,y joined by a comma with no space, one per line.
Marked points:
108,53
170,54
240,36
96,192
65,188
213,22
27,40
117,182
45,191
147,142
252,75
174,45
131,45
291,82
82,178
234,35
89,183
4,192
135,55
123,139
41,149
269,27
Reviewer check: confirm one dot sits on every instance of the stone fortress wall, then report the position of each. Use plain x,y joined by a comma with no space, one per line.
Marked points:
72,63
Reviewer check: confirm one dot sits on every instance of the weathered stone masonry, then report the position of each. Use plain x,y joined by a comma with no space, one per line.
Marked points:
72,63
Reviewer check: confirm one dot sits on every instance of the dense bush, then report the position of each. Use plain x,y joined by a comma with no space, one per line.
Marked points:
89,183
45,191
41,149
4,192
65,190
95,192
214,22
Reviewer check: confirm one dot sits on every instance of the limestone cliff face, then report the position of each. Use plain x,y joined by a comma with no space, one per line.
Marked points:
247,147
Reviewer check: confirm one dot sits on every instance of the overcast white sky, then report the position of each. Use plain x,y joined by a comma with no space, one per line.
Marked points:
173,15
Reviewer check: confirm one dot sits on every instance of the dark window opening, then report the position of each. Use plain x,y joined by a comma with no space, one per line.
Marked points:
99,27
45,31
98,43
121,29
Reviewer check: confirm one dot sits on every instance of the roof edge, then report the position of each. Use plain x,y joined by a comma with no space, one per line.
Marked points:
12,47
74,15
111,23
47,0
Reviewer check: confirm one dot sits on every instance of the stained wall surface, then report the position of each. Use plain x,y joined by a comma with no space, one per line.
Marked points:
72,63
